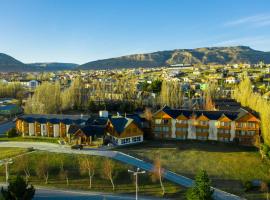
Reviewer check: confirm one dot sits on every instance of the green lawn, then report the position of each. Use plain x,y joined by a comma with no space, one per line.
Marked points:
227,165
124,181
8,152
30,139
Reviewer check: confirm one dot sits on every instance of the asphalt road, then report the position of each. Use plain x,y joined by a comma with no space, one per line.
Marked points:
43,193
6,126
169,175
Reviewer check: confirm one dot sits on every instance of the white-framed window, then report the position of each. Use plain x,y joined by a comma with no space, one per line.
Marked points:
136,139
125,141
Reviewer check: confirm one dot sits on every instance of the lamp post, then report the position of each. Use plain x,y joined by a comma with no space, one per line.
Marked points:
6,162
135,173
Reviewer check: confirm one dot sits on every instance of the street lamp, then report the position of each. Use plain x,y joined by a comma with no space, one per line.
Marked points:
6,162
135,173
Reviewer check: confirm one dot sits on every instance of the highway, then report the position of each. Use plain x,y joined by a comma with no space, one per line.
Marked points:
169,175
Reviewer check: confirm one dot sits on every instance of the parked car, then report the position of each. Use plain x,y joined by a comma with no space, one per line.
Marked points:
77,146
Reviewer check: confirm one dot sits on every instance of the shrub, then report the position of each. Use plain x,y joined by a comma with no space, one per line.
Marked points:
265,148
11,133
247,185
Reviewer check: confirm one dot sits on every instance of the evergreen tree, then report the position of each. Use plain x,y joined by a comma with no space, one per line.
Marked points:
18,189
201,189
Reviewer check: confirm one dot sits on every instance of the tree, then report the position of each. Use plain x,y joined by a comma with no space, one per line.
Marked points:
108,171
23,165
157,173
171,94
18,189
42,168
244,94
201,189
63,173
87,165
46,99
265,188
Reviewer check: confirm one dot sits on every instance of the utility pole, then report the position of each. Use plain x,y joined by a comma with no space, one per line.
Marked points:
6,162
135,173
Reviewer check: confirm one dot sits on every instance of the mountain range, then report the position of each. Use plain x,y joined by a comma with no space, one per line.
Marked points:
208,55
10,64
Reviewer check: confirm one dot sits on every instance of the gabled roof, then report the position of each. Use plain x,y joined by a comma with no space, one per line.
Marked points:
211,115
88,130
120,123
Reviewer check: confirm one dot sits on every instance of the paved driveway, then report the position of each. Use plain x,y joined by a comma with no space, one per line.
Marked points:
5,127
169,175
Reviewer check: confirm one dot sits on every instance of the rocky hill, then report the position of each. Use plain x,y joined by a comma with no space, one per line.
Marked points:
212,55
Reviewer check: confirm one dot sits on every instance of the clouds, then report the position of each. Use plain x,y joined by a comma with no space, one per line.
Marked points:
255,21
257,42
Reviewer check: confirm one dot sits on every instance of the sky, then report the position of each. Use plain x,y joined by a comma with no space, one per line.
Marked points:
79,31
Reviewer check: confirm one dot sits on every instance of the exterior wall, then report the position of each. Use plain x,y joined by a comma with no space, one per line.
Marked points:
127,140
191,130
246,129
31,129
37,129
131,135
43,130
212,130
56,130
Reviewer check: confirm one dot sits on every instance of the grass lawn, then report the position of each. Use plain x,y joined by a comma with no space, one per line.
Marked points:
227,165
124,182
30,139
8,152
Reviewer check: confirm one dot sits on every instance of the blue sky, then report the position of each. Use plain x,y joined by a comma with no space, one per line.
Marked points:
84,30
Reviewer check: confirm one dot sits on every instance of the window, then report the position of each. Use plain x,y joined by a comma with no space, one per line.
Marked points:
165,121
136,139
203,123
181,129
181,137
181,121
125,141
157,129
165,129
251,133
226,124
201,137
251,124
157,121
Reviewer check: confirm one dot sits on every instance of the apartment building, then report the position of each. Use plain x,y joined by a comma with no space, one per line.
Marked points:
239,126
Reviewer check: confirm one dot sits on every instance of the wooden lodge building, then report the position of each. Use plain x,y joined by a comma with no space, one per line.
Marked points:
81,129
124,130
239,126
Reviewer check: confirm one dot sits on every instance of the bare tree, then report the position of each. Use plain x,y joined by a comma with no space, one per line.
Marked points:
63,173
157,173
87,165
42,168
265,188
108,171
23,165
148,114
